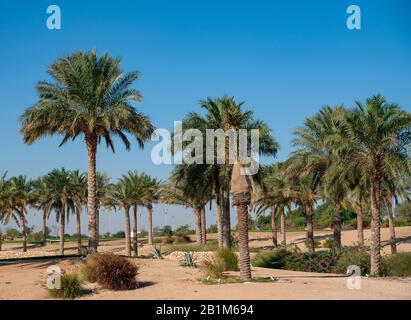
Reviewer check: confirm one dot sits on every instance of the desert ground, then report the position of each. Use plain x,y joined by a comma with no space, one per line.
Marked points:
166,279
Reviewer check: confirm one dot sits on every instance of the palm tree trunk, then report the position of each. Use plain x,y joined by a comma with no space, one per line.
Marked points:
45,214
61,231
391,222
282,223
78,223
273,225
227,219
360,227
203,226
241,202
91,194
217,191
23,229
135,244
310,228
375,224
150,224
337,226
97,224
197,221
128,231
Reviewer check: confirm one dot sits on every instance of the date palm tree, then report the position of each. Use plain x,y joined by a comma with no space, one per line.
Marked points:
59,183
102,187
7,208
41,201
91,97
372,141
78,197
120,195
21,196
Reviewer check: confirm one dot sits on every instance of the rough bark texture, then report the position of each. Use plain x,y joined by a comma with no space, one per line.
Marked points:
78,225
226,220
23,230
91,194
203,226
391,223
241,202
135,244
45,214
219,212
150,224
197,220
282,223
337,226
274,226
128,231
310,228
360,227
61,231
375,224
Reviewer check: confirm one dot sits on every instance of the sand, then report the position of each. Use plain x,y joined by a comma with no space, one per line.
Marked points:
166,279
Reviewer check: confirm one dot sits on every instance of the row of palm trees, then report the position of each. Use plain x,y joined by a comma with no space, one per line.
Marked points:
64,193
342,155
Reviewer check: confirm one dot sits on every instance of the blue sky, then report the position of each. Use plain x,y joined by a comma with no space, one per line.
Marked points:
285,59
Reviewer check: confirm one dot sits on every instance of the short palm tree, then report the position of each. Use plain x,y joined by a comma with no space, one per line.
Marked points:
41,201
78,197
91,96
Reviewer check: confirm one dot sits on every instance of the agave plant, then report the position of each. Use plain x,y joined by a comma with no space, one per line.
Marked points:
189,260
157,254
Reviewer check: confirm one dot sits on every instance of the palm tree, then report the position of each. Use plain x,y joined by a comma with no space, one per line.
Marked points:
59,182
102,187
41,201
78,193
92,97
7,209
372,141
241,189
226,114
121,195
21,197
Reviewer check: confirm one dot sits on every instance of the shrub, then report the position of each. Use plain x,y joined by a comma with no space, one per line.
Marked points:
399,265
321,261
181,238
317,244
214,268
353,256
229,257
111,271
167,240
328,243
274,259
189,260
70,287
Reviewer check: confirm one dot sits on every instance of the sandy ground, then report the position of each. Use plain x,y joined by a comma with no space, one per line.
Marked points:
165,279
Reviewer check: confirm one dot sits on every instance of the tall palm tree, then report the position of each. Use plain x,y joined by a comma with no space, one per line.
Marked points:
226,114
121,195
372,141
91,96
41,201
78,196
21,197
59,182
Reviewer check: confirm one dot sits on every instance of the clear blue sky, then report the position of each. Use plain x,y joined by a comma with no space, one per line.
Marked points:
285,59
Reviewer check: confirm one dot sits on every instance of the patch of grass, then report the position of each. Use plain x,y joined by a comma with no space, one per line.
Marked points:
70,287
229,257
214,268
190,248
111,271
399,265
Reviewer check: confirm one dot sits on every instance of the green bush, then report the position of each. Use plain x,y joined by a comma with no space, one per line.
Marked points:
328,243
167,240
353,256
399,265
229,257
274,259
214,268
111,271
181,238
321,261
70,287
317,244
